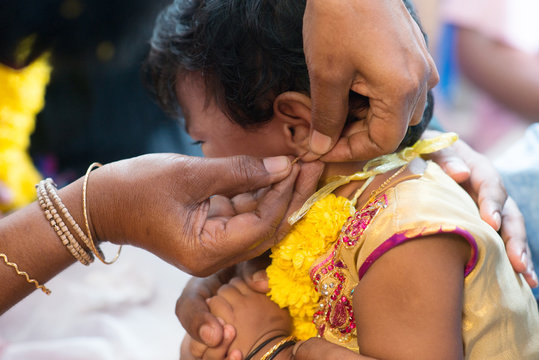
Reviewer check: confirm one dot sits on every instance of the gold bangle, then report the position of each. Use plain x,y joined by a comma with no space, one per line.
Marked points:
277,347
25,274
97,251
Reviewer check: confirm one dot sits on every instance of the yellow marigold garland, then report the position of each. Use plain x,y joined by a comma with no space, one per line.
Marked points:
22,94
289,281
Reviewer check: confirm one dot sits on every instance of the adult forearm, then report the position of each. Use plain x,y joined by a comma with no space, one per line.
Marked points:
508,75
28,240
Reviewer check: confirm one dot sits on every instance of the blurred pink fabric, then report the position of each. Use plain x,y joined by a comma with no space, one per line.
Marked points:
513,23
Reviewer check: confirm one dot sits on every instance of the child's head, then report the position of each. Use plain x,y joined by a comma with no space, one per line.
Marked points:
238,70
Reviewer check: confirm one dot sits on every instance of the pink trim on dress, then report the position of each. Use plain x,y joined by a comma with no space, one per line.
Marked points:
400,238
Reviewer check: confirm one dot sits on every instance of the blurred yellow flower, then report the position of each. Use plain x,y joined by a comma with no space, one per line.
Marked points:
289,280
22,94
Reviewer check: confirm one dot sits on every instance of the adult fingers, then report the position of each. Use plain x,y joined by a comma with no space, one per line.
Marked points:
227,241
305,186
329,98
449,160
194,314
239,174
491,194
185,349
253,272
246,235
514,235
417,115
259,281
479,177
220,352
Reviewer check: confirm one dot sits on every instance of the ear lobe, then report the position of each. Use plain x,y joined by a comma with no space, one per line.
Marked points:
293,111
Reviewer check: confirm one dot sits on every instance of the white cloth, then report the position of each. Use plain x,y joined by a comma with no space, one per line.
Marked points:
124,311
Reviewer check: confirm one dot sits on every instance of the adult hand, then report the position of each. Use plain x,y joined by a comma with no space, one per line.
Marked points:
207,336
479,178
376,49
161,202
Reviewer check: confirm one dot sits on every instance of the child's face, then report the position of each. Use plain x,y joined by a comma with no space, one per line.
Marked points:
218,135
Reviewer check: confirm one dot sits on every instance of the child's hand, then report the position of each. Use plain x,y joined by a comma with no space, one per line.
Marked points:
254,316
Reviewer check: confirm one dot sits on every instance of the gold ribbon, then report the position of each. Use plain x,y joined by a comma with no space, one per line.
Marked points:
377,166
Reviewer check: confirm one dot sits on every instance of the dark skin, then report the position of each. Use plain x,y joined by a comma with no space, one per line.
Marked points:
421,320
163,218
395,85
466,166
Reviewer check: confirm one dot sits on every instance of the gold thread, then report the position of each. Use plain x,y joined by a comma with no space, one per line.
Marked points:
377,166
97,251
381,188
277,346
25,274
298,158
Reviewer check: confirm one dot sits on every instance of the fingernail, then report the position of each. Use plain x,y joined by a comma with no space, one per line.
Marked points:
276,164
6,196
497,219
524,260
229,332
320,143
534,278
206,333
457,167
260,276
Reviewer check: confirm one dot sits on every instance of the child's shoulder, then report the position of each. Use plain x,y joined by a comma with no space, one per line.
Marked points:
433,192
427,204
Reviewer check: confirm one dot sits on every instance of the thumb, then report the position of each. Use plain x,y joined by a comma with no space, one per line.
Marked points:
329,110
239,174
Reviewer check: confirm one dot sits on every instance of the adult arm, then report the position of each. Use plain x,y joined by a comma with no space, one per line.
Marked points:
340,61
481,180
508,75
160,202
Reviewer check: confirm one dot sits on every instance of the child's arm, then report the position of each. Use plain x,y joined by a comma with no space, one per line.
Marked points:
409,303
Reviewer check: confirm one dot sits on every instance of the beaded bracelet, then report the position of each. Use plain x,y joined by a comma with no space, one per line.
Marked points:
51,189
58,224
277,348
56,213
25,274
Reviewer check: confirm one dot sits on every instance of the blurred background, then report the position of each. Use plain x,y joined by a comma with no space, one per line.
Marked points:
97,109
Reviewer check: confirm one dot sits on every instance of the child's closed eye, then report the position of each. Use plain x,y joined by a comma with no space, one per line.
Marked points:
197,143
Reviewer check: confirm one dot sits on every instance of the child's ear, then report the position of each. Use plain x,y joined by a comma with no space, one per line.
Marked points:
292,110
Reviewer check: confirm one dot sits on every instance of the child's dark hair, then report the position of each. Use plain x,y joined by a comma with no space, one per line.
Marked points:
248,50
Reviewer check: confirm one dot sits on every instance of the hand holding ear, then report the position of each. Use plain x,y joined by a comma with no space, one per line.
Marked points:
161,202
374,48
481,180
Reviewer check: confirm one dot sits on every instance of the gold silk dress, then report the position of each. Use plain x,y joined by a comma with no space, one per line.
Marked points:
500,319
